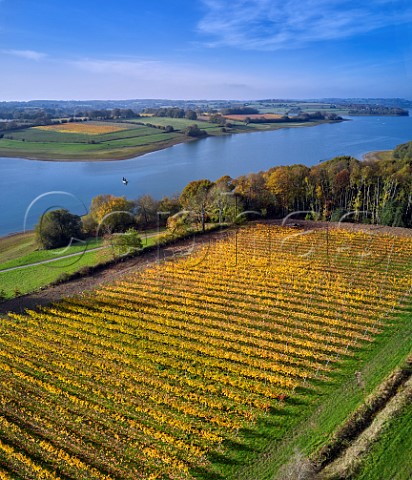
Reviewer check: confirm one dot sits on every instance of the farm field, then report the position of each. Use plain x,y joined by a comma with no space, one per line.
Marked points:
178,124
242,118
86,140
113,140
89,128
195,367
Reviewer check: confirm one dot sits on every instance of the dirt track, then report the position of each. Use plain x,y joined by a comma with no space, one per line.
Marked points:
106,275
184,247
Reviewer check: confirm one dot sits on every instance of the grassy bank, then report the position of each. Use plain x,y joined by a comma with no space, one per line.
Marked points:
15,246
126,140
32,255
378,156
52,144
18,253
29,279
390,456
278,447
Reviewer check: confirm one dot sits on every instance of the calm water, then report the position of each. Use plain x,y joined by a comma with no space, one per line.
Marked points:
168,171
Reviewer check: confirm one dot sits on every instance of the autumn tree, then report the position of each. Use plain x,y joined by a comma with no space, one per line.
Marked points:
180,223
252,192
196,198
225,207
146,211
289,186
168,206
109,213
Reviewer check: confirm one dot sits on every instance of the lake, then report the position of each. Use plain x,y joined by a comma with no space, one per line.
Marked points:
30,187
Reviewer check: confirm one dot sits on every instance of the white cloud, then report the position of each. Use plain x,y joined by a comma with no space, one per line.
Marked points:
279,24
151,70
96,78
134,68
27,54
152,78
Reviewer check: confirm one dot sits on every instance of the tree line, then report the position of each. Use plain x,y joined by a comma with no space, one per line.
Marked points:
36,114
370,191
301,117
359,109
171,112
14,119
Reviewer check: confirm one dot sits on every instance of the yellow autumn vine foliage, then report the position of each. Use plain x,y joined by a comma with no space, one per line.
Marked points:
146,377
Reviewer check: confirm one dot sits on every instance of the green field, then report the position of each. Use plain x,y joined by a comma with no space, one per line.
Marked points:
20,250
178,124
16,246
34,256
133,140
390,456
30,279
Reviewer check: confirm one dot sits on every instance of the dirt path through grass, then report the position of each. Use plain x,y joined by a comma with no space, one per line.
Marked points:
108,274
349,461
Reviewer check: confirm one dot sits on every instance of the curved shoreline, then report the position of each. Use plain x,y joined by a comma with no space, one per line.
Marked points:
128,153
141,150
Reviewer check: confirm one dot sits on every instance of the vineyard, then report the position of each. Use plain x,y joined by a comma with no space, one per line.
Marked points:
150,377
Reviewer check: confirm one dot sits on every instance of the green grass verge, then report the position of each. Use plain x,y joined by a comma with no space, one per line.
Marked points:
29,279
44,255
308,421
390,456
16,246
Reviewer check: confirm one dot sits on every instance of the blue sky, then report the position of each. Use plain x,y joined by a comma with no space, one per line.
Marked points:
205,49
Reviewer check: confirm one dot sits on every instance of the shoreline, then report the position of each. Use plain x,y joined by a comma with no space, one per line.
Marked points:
376,155
138,151
372,156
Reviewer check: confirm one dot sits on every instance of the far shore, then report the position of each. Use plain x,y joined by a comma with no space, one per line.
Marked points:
132,152
370,156
128,153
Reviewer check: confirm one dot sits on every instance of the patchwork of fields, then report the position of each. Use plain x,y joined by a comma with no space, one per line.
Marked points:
160,374
86,140
100,140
